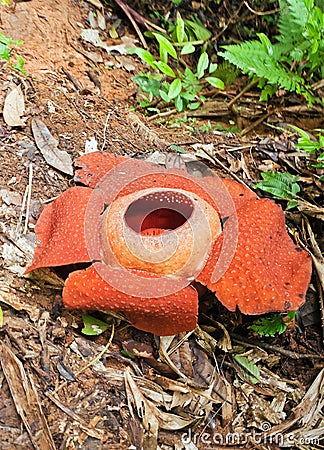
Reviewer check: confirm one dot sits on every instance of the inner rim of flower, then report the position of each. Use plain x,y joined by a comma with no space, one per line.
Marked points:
159,211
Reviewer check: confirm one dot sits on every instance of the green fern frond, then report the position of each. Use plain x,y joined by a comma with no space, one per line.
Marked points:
254,59
293,19
227,72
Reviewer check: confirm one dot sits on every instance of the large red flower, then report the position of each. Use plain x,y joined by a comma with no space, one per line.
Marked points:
147,233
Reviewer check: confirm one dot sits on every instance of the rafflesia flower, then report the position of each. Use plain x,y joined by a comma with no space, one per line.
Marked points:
147,233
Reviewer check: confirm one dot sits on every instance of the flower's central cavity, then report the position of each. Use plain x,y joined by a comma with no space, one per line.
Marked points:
159,211
162,231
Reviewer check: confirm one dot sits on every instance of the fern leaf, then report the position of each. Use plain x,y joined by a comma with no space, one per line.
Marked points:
254,58
293,19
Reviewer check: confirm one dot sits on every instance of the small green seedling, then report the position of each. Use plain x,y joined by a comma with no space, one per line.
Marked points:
93,326
7,52
310,146
273,324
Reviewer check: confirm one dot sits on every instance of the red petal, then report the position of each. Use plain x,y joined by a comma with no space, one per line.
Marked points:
60,230
94,166
228,192
165,315
268,272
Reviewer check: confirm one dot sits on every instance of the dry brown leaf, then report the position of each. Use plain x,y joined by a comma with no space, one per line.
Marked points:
209,344
9,297
47,144
175,161
14,108
101,20
204,151
143,409
308,414
96,3
151,416
11,197
144,131
17,252
26,399
125,62
92,36
87,428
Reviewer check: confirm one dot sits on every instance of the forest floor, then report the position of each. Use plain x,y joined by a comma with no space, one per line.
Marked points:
124,389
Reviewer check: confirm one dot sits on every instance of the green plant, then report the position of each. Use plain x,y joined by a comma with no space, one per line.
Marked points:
273,324
281,185
247,369
172,85
294,60
93,326
311,146
7,51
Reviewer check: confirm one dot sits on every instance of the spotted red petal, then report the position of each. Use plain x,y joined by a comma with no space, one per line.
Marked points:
268,271
229,194
165,315
60,229
94,166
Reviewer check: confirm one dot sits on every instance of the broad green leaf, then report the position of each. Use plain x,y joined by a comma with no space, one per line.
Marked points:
188,96
143,54
291,205
20,64
216,82
93,326
176,148
175,88
280,184
249,369
306,143
148,85
165,68
202,65
163,55
194,105
4,52
178,103
190,77
144,103
187,48
180,29
166,45
302,132
164,96
212,67
201,33
5,40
